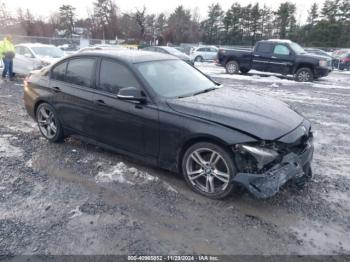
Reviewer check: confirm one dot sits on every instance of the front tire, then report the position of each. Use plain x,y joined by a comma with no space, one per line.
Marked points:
48,122
304,74
209,170
232,67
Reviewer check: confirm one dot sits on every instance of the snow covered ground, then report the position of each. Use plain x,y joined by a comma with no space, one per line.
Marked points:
76,198
337,79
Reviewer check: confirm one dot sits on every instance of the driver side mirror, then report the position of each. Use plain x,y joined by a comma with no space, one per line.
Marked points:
132,94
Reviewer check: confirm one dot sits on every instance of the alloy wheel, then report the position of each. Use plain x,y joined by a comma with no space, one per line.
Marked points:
208,171
47,122
231,67
304,76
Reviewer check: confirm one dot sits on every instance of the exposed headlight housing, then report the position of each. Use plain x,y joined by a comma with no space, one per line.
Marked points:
262,155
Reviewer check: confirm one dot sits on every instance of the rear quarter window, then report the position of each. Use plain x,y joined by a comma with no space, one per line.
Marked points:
59,72
80,71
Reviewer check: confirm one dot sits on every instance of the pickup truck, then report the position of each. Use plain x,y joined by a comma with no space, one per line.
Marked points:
276,56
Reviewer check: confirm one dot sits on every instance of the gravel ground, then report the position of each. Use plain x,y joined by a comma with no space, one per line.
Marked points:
76,198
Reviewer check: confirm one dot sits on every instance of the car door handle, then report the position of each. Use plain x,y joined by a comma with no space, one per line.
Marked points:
273,57
257,55
56,89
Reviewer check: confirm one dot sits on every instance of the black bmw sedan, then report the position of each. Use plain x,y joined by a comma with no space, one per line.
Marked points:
163,111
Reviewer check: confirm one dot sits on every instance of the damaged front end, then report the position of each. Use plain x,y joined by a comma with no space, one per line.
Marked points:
266,166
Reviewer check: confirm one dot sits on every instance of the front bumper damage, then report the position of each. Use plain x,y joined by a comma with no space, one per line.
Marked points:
292,167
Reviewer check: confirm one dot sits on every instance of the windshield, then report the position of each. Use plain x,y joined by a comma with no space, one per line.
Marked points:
297,48
174,78
48,51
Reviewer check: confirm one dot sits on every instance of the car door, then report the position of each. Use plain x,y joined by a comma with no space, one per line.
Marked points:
126,125
72,83
23,62
201,52
282,59
262,56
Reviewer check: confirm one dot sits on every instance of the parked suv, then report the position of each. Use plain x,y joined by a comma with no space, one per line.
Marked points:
276,56
204,53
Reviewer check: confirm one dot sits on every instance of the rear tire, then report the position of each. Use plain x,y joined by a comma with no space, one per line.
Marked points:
199,59
304,74
49,124
209,170
232,67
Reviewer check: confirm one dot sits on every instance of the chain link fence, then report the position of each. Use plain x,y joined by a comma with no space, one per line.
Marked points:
70,43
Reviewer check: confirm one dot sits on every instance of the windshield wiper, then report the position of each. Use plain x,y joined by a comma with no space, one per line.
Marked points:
205,91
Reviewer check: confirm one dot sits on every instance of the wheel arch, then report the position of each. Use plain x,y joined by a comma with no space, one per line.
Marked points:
37,104
232,58
197,139
307,65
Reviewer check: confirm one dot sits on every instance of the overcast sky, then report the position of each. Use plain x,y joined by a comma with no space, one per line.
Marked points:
45,7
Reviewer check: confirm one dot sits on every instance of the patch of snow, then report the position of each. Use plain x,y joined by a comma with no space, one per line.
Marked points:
120,173
336,80
75,212
170,188
275,85
123,174
24,126
29,163
88,159
7,150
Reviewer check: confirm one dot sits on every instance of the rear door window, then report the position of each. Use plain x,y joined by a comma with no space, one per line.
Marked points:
264,48
114,76
202,49
80,71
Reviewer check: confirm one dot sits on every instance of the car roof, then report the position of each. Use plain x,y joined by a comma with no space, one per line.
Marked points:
206,46
278,41
34,45
129,56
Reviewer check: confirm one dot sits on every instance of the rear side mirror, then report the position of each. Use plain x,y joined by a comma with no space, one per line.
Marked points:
131,94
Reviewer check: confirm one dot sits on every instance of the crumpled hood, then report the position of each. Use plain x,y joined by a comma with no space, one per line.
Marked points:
262,117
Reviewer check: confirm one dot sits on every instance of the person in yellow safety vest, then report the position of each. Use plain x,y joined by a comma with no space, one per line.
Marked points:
7,53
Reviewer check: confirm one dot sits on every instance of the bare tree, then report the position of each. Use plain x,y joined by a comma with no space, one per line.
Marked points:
140,17
67,19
